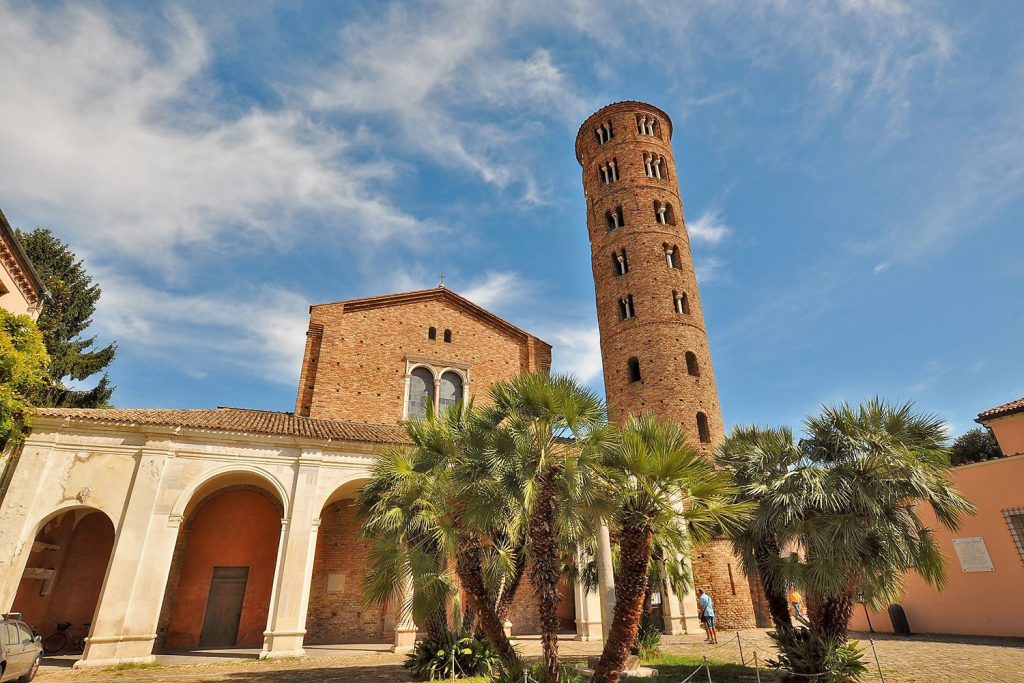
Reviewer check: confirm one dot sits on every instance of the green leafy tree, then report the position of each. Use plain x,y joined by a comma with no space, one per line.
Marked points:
977,445
554,431
654,473
23,363
66,316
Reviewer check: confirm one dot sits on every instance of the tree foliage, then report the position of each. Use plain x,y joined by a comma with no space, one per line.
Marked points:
23,363
64,320
977,445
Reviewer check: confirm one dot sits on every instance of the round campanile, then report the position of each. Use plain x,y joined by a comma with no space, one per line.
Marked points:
653,343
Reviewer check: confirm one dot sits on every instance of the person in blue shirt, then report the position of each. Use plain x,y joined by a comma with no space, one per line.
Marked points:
706,609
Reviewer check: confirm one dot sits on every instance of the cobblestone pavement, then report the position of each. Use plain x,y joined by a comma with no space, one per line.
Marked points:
918,659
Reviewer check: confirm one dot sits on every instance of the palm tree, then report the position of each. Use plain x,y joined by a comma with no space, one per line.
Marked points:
436,501
760,459
654,474
552,430
865,474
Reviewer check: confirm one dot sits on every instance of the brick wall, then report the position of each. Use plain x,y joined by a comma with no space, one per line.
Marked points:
336,610
718,572
355,362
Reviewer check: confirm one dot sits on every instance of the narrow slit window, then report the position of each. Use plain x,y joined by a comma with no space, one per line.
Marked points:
626,307
691,364
620,263
633,368
448,336
432,333
703,432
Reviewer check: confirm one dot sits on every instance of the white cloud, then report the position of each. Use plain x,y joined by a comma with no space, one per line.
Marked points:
577,351
709,227
496,288
708,269
881,267
259,331
120,139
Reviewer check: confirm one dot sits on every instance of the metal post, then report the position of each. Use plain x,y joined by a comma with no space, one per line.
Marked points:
877,663
739,644
757,669
707,669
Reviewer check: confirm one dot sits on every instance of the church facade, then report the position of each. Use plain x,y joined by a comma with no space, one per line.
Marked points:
155,530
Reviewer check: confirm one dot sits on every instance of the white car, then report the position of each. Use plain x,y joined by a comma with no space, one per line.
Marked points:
20,651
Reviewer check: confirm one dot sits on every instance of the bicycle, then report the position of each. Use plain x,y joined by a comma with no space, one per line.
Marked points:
62,640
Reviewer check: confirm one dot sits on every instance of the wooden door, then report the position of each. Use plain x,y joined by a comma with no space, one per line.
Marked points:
224,607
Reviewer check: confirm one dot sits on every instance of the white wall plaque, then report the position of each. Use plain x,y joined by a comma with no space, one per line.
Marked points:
973,554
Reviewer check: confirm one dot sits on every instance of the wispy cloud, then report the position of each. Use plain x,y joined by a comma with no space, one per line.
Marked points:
496,288
709,227
577,351
120,139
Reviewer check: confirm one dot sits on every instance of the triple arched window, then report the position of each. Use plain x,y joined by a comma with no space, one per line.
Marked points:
427,387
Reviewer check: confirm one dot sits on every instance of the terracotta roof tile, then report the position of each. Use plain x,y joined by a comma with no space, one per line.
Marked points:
1005,409
239,420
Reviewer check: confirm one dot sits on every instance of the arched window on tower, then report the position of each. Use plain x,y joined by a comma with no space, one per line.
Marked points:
421,393
663,213
653,164
646,124
671,255
615,218
691,364
633,368
626,307
451,390
448,336
703,432
620,265
680,303
609,172
604,133
432,333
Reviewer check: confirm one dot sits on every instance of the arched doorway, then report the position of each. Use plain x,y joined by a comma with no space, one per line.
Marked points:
64,575
336,611
222,571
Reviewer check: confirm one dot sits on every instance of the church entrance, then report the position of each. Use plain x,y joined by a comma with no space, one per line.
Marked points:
224,607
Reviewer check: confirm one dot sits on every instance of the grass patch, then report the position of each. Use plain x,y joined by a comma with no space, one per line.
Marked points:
132,666
678,667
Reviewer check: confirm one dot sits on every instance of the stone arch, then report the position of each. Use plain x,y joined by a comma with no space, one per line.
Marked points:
336,612
66,569
221,578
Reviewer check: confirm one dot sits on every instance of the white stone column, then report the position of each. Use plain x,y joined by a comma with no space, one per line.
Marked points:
680,610
588,609
605,576
289,599
405,628
124,629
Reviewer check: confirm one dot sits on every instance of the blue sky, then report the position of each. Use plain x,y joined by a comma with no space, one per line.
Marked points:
852,176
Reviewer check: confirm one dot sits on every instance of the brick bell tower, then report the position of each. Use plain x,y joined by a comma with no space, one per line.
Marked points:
654,346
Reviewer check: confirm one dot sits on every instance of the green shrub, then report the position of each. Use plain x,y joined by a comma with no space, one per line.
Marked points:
468,656
648,642
512,672
802,651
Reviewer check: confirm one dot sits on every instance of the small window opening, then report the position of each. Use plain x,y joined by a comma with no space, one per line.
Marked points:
604,133
620,263
448,336
672,255
633,367
615,218
680,302
732,582
691,364
646,125
663,213
703,433
432,333
610,172
626,307
652,165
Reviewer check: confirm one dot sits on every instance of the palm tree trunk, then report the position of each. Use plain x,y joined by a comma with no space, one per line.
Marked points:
437,623
830,616
469,567
778,604
546,574
635,544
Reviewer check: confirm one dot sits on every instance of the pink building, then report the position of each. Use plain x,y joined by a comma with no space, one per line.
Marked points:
984,594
